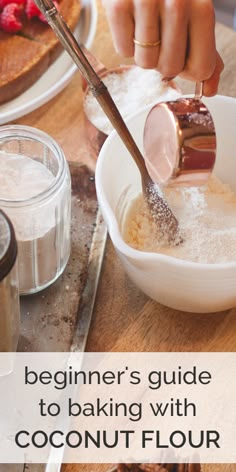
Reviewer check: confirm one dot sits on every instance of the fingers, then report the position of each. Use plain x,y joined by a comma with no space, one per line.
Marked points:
201,49
211,85
147,31
203,62
185,28
120,18
174,37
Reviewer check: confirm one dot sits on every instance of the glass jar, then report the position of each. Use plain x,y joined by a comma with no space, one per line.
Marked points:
9,294
35,192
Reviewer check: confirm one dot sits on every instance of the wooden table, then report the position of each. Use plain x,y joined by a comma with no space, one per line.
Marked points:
124,318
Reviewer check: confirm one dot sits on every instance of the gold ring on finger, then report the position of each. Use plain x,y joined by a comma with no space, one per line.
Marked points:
148,44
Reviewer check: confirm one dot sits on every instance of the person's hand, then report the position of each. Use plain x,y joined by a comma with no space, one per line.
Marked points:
177,37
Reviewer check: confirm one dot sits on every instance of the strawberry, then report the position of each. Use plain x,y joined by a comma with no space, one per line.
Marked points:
3,3
42,18
32,10
10,18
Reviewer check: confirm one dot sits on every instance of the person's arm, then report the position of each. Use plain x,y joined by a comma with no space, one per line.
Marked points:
177,37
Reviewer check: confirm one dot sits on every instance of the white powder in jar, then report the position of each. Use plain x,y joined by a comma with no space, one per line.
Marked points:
131,89
207,218
42,231
22,178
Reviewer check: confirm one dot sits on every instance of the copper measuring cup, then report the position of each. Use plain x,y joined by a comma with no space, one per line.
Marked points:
180,141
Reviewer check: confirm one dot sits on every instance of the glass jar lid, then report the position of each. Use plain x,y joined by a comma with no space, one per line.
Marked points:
8,245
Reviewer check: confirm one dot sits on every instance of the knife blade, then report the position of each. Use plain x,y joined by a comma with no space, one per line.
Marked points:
85,312
84,318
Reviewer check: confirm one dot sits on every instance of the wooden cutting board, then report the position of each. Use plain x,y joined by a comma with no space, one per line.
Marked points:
124,318
105,468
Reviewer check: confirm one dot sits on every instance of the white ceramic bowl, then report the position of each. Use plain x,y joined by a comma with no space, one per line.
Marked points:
187,286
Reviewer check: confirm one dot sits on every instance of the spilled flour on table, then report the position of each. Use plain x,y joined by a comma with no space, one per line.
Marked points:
207,219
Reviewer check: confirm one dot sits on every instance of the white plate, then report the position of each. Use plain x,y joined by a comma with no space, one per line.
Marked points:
58,74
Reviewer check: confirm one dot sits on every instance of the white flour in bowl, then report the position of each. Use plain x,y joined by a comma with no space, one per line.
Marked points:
207,218
131,90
